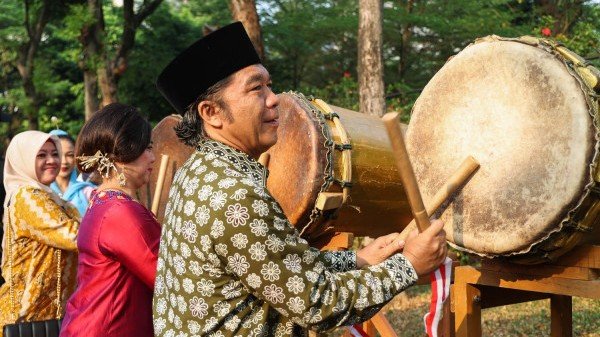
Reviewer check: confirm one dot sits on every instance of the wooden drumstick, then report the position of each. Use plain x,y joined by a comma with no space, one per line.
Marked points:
456,180
162,172
407,175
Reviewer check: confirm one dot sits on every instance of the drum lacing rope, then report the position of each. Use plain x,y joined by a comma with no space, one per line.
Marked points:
329,145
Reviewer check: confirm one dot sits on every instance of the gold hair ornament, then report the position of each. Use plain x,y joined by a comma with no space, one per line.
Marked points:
104,166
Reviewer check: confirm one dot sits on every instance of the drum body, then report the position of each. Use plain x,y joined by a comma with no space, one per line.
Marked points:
318,152
164,142
527,111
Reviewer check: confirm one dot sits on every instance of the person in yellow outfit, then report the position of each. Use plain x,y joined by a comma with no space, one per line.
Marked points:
40,231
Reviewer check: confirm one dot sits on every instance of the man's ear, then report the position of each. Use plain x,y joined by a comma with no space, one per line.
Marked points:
210,114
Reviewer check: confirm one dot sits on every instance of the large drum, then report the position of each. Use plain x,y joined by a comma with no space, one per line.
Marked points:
527,110
332,170
331,163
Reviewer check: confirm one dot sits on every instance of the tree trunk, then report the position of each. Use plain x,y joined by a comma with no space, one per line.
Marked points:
26,58
370,65
245,11
91,39
90,85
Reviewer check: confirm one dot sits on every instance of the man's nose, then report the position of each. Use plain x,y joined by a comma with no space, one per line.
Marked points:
272,100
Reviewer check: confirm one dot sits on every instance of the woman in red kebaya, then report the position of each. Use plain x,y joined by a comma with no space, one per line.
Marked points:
118,238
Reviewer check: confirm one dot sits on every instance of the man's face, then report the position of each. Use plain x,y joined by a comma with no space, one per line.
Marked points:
252,107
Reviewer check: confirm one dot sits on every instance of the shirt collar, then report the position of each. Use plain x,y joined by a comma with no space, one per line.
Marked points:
240,160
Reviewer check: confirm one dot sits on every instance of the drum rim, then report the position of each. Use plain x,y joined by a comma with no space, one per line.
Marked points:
536,253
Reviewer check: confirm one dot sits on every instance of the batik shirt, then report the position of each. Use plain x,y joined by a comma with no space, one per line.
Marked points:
231,264
41,225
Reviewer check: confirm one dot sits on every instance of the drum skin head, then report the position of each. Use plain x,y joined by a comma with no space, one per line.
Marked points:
523,116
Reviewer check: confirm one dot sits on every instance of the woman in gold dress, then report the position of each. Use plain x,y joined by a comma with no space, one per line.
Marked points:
40,230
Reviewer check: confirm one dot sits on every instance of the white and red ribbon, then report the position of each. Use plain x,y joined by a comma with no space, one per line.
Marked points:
356,330
440,289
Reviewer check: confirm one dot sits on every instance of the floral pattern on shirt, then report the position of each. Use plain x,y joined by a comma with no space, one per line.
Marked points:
249,272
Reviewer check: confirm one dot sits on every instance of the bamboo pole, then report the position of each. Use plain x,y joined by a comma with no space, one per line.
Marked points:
162,171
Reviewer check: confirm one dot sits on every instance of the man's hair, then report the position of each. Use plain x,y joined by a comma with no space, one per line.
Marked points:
191,129
118,131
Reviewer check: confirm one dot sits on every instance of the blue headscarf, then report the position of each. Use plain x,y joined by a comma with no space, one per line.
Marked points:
74,192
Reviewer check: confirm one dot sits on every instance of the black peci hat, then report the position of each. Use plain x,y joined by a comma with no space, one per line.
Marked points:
204,63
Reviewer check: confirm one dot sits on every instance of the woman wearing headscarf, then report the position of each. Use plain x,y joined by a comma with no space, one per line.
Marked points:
67,184
40,229
118,239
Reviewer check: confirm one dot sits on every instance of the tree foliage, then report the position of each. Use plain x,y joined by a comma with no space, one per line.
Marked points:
310,46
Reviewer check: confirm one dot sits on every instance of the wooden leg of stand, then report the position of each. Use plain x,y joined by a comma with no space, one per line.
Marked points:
369,328
561,316
446,327
383,326
467,310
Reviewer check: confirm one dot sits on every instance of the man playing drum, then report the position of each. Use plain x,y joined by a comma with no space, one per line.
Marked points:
230,263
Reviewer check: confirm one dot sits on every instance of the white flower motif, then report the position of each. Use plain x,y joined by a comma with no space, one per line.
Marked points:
253,280
239,194
205,192
295,284
205,287
159,286
188,230
274,294
239,240
188,285
201,169
202,215
189,207
191,186
221,308
232,173
211,176
257,251
292,262
309,256
217,200
226,183
296,305
221,249
231,290
260,207
159,325
217,229
161,306
247,181
312,276
232,323
179,264
195,268
313,315
274,243
258,227
270,271
185,250
181,305
210,324
276,207
198,307
237,215
279,223
238,264
218,163
193,327
195,164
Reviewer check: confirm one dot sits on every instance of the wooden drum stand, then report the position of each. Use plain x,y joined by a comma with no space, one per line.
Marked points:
500,283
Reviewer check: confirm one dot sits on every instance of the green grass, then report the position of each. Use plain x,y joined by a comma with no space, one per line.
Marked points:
524,319
531,319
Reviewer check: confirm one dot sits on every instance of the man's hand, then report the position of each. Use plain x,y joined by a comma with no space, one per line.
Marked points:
426,251
379,250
